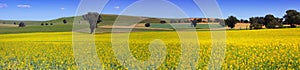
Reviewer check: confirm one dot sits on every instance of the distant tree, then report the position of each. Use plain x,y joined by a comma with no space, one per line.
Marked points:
65,21
231,21
272,22
194,22
163,22
22,24
246,21
199,20
280,20
147,25
256,22
242,21
92,18
269,23
292,17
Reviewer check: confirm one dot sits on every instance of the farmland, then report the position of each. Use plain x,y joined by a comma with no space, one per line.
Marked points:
245,49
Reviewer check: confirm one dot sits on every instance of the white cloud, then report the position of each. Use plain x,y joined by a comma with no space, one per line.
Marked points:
62,8
117,7
2,5
23,6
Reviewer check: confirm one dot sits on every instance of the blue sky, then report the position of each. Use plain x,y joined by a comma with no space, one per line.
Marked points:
51,9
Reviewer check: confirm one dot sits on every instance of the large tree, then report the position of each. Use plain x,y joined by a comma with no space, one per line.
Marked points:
271,21
256,22
242,21
292,17
246,21
231,21
92,18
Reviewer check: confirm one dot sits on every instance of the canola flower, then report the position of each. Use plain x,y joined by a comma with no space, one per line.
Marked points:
255,49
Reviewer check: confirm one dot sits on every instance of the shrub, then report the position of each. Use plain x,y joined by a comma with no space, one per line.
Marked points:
147,25
65,21
163,22
22,24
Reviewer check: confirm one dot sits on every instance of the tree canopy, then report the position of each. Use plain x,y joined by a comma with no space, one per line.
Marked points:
272,22
231,21
292,17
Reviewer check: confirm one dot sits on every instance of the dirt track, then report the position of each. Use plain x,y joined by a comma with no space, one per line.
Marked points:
8,25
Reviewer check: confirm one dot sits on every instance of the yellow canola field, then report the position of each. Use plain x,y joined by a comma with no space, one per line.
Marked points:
255,49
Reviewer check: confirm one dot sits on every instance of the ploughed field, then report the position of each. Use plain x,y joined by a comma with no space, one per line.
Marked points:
245,49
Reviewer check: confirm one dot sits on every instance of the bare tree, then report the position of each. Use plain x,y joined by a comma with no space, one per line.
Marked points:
92,18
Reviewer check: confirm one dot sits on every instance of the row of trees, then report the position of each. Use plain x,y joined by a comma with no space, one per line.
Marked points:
292,18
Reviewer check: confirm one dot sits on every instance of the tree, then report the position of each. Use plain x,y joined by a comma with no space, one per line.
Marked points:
92,18
256,22
231,21
22,24
65,21
246,21
268,18
163,22
242,21
292,17
147,25
199,20
271,21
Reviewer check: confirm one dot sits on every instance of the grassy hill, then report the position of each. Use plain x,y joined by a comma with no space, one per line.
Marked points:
59,26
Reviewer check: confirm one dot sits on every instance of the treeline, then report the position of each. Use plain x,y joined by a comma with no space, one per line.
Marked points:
292,17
